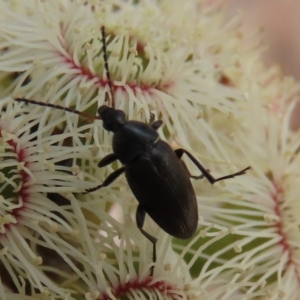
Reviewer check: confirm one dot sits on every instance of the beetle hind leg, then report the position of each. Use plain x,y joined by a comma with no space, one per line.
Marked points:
206,174
188,171
140,219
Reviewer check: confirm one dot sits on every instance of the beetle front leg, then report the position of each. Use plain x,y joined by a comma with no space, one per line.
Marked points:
140,219
206,174
108,180
106,160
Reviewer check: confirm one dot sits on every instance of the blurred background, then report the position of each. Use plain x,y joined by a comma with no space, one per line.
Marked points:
280,21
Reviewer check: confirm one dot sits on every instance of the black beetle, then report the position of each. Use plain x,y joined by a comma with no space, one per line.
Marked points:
157,176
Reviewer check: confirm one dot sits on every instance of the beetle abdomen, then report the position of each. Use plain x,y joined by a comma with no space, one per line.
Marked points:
163,188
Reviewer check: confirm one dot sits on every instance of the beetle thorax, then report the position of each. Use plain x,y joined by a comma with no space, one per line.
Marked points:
132,140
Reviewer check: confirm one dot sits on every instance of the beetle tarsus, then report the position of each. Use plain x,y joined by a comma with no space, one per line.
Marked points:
87,191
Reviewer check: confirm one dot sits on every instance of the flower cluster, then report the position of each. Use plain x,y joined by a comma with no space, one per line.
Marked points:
182,62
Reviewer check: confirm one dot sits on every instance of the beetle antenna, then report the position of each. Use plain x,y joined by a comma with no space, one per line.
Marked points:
109,81
74,111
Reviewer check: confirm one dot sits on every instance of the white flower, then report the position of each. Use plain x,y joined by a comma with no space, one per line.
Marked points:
179,60
33,175
155,51
261,212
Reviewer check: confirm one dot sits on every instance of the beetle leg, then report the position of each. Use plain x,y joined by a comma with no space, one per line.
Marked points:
206,174
156,124
140,219
179,155
152,117
106,160
188,171
107,181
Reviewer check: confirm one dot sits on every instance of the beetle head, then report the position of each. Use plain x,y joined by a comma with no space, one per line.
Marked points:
112,118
